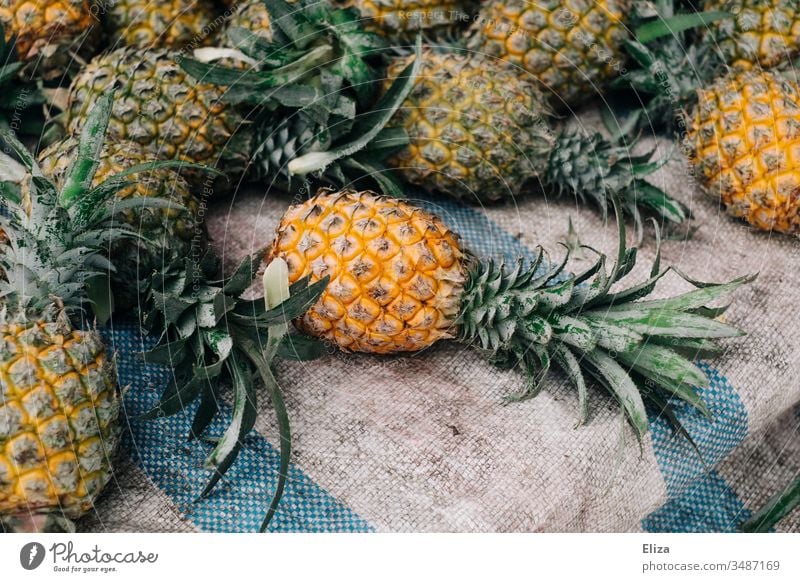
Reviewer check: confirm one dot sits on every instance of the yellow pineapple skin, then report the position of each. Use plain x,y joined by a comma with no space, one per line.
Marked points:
762,33
163,109
160,24
58,418
573,47
44,28
744,143
396,272
477,129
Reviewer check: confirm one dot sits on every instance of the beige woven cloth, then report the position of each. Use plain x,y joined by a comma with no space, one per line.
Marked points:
422,442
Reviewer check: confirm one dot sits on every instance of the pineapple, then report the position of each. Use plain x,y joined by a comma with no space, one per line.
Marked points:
163,230
761,34
297,99
742,140
59,402
400,281
48,33
572,47
738,129
162,24
162,109
480,132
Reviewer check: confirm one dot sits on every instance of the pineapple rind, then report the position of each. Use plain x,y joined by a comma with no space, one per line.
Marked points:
744,142
762,33
58,417
477,130
396,272
160,24
50,30
573,47
159,106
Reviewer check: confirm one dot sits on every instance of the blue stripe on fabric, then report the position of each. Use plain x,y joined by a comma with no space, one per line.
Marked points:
708,505
700,502
240,499
679,462
483,236
680,465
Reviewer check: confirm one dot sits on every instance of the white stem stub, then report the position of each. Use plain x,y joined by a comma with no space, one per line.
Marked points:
276,290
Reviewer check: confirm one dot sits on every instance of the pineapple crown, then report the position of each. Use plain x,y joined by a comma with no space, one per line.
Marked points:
538,316
313,90
595,168
669,67
211,337
55,238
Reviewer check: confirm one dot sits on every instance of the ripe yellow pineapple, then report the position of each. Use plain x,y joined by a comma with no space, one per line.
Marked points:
400,280
49,32
744,141
397,273
160,24
480,131
59,403
58,418
572,47
740,129
762,33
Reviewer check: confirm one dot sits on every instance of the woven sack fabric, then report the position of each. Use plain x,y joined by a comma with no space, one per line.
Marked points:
422,442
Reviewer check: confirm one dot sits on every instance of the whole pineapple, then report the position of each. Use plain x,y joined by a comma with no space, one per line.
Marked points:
761,34
296,98
572,47
400,280
59,403
162,24
163,230
164,110
479,131
739,129
742,140
48,33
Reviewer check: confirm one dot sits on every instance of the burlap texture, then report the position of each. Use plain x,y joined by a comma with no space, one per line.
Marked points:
422,443
765,464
